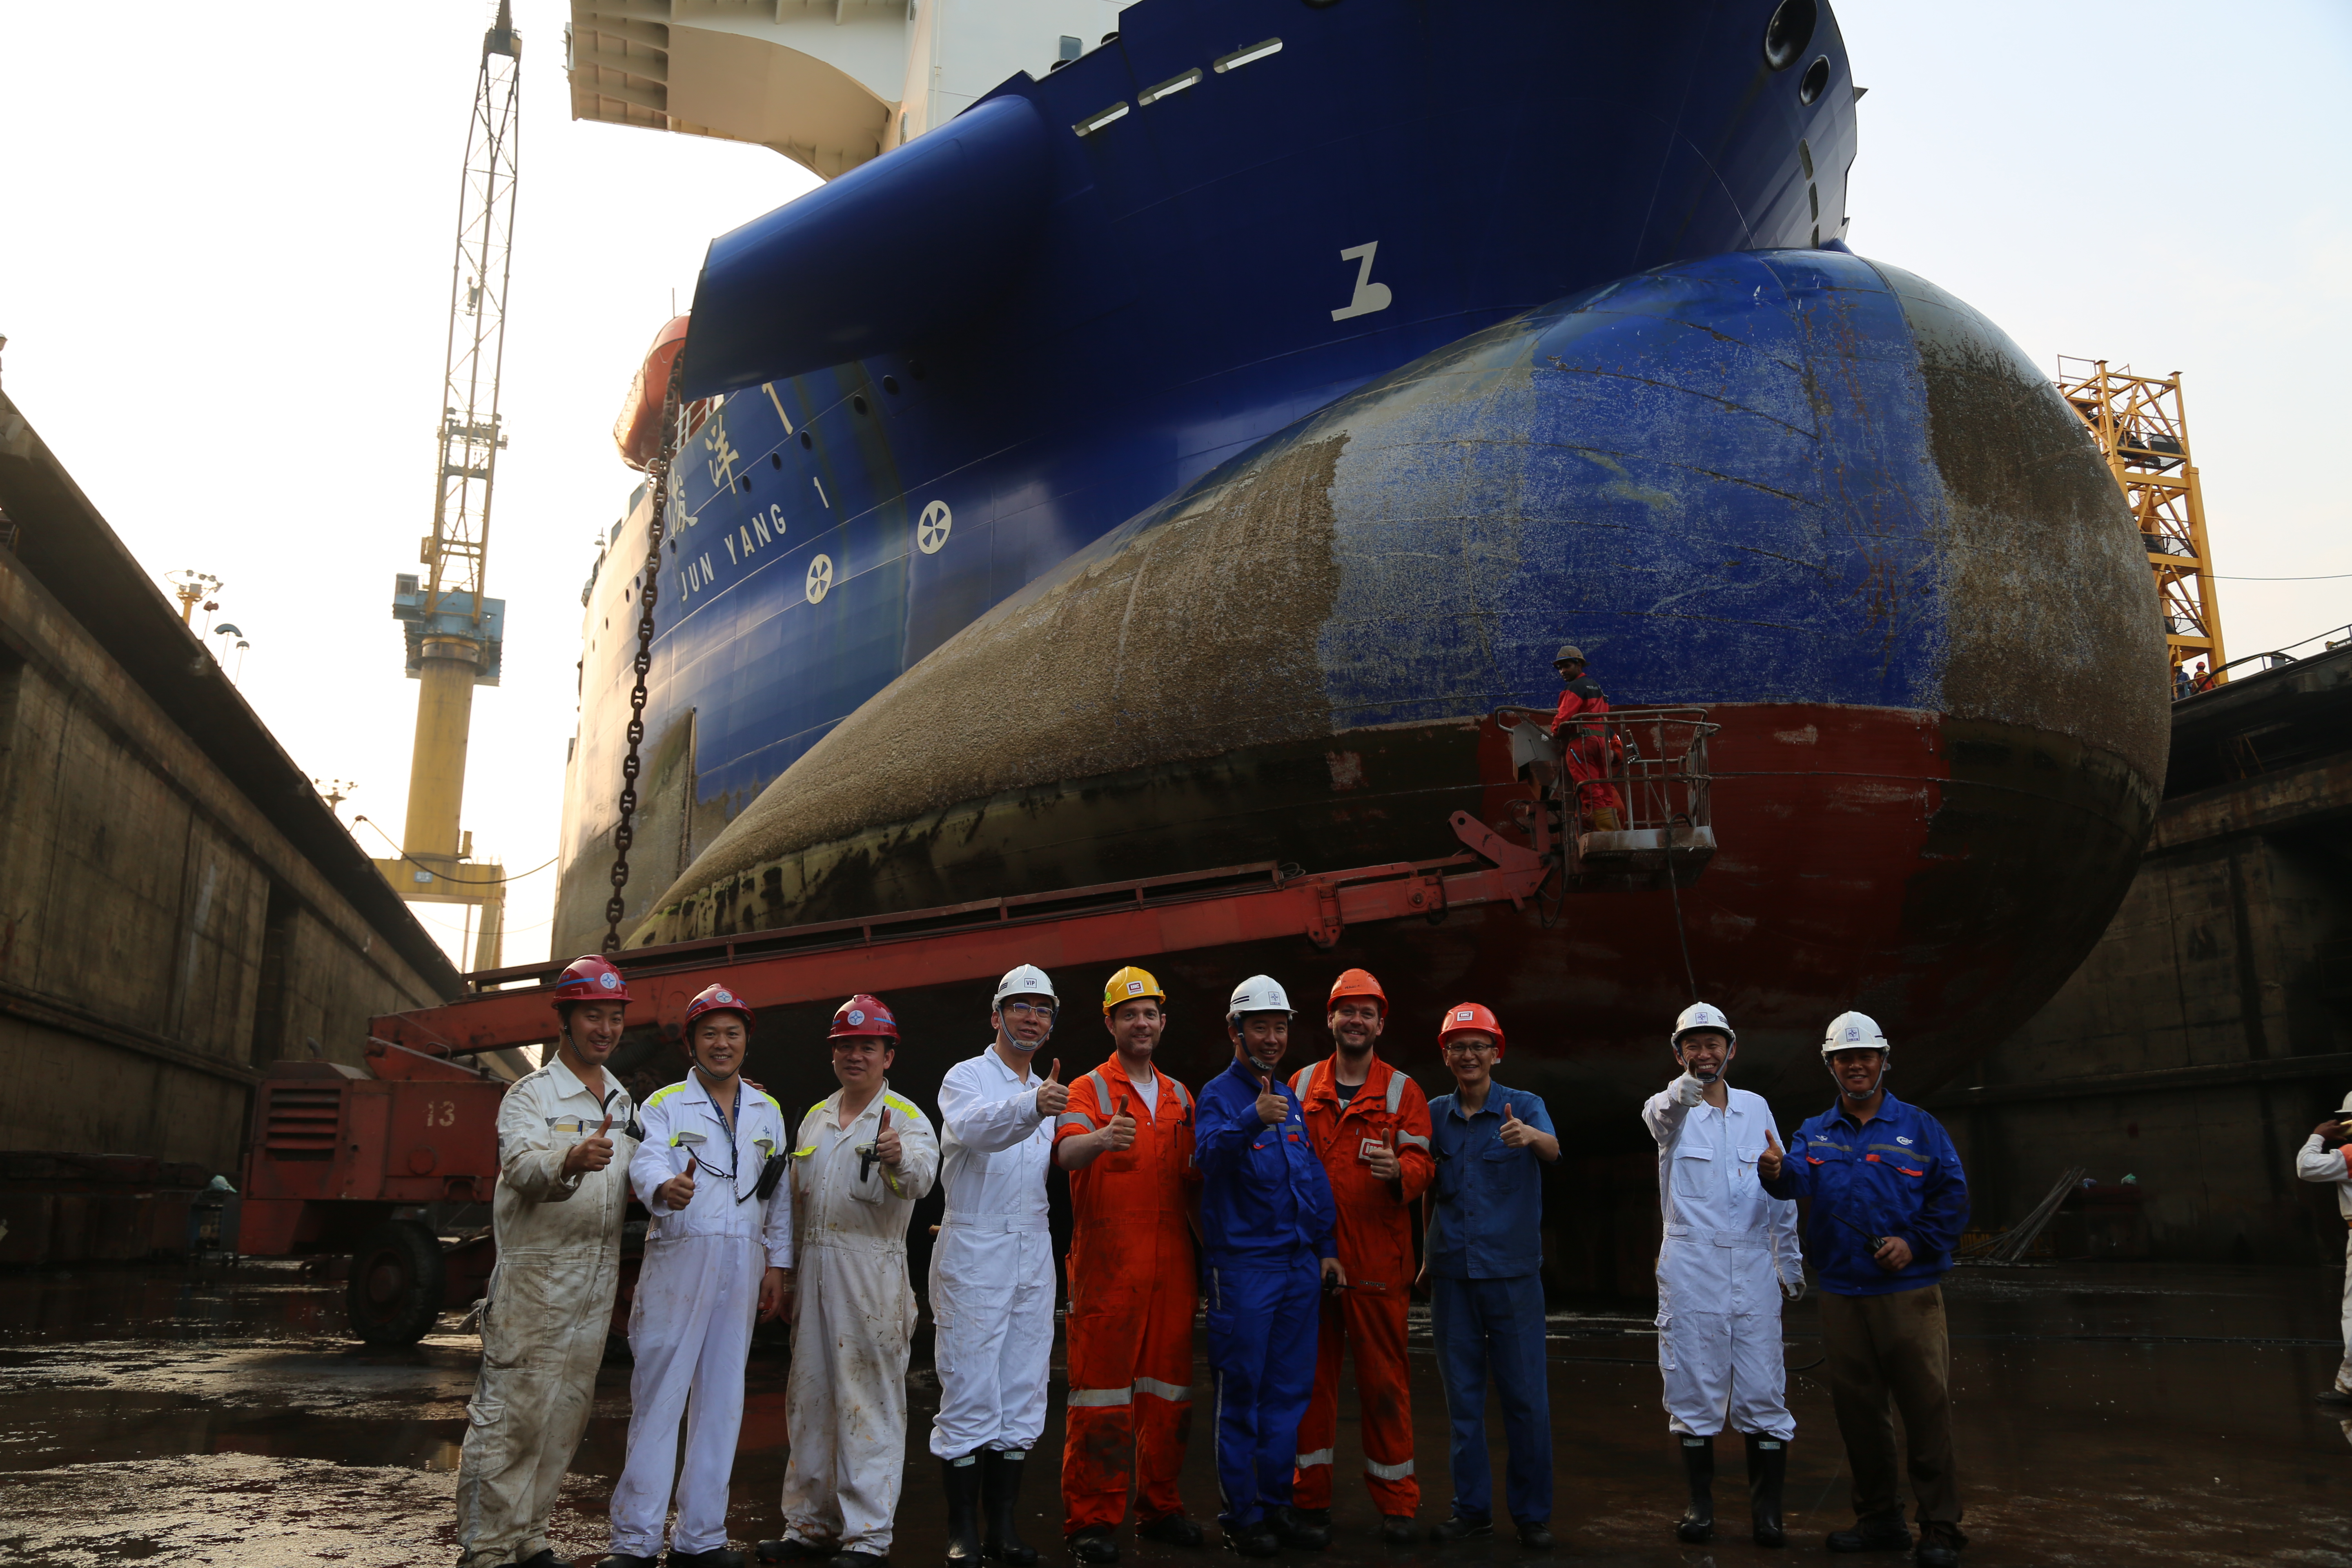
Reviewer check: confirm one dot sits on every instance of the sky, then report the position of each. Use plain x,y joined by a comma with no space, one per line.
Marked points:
225,268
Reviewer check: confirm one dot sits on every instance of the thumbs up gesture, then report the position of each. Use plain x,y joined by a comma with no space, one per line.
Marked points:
1380,1159
592,1153
1119,1134
1271,1107
1053,1094
678,1191
887,1147
1515,1133
1767,1163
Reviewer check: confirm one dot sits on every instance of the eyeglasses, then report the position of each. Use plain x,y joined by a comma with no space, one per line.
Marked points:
1030,1010
1464,1049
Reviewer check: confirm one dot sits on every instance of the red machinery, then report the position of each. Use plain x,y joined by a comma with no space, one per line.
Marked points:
341,1162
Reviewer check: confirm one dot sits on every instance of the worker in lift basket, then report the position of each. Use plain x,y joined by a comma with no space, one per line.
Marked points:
1266,1216
1889,1202
1369,1124
863,1158
556,1217
1486,1294
1729,1254
992,1270
719,1251
2327,1156
1125,1138
1585,751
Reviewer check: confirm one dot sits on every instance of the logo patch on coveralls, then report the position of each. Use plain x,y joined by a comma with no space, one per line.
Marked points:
1904,1142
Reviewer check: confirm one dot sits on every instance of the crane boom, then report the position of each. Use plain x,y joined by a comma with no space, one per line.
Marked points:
455,634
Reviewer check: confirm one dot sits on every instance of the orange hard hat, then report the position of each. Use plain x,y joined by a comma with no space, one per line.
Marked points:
1470,1018
1359,982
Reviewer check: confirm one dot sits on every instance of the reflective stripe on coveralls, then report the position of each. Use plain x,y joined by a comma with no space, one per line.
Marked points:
546,1313
1131,1294
2317,1163
691,1324
852,1315
992,1269
1729,1246
1375,1240
1265,1207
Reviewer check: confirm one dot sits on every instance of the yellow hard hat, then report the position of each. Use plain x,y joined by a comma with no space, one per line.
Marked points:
1130,983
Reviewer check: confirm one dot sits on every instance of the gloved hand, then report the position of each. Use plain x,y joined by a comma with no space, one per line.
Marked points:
1687,1090
1794,1289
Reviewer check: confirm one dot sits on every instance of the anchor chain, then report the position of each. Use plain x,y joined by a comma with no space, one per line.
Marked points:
648,590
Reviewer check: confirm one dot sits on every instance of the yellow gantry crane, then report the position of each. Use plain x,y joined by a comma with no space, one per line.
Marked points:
2142,430
454,634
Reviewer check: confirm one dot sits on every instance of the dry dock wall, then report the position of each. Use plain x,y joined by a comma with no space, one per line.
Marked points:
2211,1027
177,907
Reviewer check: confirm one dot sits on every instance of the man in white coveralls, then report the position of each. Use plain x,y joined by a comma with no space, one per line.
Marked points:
863,1156
1730,1250
557,1219
710,1172
2326,1157
992,1270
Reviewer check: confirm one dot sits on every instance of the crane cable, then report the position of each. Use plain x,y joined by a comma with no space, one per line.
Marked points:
624,832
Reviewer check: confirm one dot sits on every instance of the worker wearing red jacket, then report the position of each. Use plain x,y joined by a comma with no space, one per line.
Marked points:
1126,1138
1583,751
1369,1124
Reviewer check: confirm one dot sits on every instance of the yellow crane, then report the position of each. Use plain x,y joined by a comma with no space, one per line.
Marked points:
2142,429
454,633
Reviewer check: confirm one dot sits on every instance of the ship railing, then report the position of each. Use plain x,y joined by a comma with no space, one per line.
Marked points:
1626,791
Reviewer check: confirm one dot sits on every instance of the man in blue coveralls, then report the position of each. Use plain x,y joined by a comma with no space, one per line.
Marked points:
1889,1201
1266,1212
1486,1305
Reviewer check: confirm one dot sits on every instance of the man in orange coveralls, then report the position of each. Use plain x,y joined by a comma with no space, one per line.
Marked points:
1126,1138
1369,1124
1584,753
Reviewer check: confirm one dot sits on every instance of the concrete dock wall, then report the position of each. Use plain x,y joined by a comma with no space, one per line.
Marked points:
178,907
2211,1027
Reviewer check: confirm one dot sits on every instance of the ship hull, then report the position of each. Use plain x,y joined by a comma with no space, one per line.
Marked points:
1203,273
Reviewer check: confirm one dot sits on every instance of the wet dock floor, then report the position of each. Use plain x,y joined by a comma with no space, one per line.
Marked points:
2107,1414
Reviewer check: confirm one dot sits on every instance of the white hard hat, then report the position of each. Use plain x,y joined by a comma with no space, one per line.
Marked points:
1854,1032
1258,994
1024,980
1702,1015
2345,1109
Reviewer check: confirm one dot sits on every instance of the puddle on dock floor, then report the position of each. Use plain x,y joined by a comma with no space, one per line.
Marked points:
2108,1413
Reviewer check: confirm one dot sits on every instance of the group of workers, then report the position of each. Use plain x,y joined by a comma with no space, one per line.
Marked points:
1290,1201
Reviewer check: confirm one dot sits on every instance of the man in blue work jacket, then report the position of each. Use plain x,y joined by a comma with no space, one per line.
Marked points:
1267,1215
1889,1202
1486,1305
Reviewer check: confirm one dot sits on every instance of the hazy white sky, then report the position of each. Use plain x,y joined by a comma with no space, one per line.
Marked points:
225,273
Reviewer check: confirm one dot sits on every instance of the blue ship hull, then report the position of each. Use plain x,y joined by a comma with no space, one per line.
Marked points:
1119,481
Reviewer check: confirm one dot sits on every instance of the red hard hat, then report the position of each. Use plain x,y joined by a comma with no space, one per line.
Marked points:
590,978
716,999
862,1017
1470,1018
1360,982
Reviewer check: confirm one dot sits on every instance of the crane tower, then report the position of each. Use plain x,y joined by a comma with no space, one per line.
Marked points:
454,633
2142,430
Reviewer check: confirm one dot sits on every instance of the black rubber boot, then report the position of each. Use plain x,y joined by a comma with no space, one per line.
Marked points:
1000,1491
1697,1524
1169,1530
1250,1540
1768,1472
1093,1544
1297,1531
963,1511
